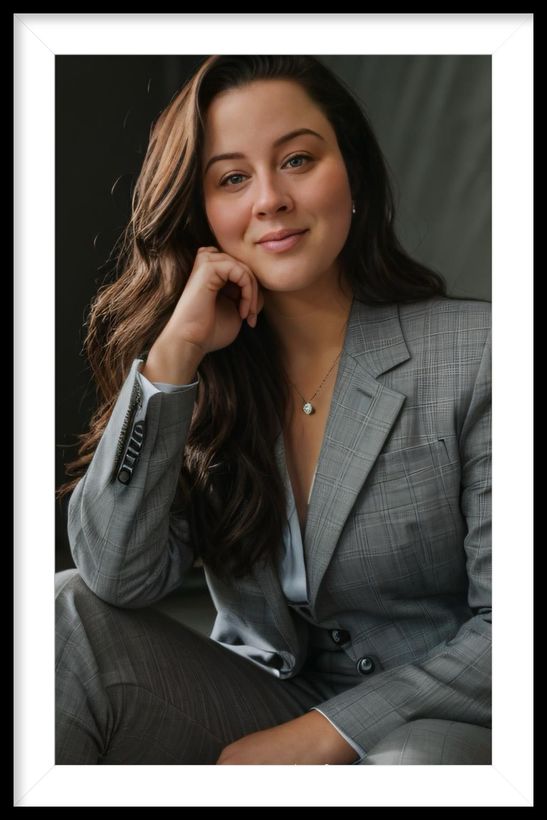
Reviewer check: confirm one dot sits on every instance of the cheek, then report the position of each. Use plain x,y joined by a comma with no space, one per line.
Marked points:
333,205
224,222
333,194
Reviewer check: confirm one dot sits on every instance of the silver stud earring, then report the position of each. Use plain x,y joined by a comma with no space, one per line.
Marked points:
353,206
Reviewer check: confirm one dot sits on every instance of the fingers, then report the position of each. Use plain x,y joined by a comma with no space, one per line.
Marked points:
252,301
259,298
256,307
251,318
258,302
244,279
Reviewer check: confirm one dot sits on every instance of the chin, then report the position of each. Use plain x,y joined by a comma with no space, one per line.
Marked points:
293,273
288,279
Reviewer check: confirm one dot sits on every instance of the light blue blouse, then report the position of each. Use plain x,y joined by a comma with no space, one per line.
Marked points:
292,569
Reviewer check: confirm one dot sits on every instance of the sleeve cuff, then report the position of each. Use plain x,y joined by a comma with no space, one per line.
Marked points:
164,387
151,388
359,749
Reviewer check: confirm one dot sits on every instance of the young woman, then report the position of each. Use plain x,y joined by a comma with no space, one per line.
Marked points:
292,401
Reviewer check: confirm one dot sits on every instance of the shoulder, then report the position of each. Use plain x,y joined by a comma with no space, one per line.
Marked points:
447,322
447,312
433,335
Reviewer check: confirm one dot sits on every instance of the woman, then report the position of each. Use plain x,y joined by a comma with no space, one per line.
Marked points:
310,420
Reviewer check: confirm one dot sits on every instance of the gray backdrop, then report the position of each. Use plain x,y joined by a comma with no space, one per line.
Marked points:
432,117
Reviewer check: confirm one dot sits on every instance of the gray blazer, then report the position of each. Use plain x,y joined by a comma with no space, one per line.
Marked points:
398,536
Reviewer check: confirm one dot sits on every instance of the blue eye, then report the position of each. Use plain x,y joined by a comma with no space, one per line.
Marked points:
224,181
298,156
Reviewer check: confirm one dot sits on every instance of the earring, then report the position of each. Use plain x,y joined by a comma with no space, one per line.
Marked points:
353,206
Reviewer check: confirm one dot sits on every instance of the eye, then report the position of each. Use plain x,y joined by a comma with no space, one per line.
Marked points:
231,176
297,156
224,182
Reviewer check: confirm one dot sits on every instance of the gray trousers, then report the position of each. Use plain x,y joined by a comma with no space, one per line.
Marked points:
133,686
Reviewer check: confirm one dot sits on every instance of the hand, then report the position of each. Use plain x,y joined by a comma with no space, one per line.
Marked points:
220,293
306,740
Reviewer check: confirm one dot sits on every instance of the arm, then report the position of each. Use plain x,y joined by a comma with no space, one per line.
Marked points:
129,547
453,681
308,740
355,746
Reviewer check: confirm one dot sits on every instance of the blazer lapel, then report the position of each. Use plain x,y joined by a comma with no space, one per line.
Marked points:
362,414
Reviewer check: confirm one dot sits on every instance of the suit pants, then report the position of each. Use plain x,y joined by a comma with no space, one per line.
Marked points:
134,686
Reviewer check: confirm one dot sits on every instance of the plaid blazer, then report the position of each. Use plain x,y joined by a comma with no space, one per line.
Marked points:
398,535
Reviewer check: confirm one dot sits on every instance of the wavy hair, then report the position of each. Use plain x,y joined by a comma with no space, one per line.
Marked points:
229,487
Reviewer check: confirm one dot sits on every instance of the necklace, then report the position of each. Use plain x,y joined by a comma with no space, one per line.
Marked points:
308,407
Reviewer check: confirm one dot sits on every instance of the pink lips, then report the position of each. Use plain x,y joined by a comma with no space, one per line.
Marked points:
278,245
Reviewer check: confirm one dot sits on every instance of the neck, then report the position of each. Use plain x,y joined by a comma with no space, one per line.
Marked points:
310,326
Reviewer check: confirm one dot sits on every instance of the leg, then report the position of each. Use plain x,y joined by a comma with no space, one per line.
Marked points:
134,686
433,742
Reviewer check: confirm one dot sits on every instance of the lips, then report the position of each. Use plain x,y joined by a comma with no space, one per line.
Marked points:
275,236
290,241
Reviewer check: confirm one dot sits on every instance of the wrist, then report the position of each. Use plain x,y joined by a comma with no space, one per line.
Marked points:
326,739
172,361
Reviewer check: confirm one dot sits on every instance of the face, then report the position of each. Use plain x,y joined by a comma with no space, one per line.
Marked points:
298,183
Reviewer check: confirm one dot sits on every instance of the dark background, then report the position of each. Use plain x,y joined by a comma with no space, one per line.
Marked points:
432,117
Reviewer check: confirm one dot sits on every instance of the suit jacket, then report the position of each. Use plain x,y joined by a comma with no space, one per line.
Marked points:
398,536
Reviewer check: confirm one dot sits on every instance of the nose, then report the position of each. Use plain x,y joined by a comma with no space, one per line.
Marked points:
271,198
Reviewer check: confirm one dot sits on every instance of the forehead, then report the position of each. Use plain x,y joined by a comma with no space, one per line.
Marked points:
254,115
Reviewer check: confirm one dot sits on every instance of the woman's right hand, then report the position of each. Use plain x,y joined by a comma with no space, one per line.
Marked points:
221,293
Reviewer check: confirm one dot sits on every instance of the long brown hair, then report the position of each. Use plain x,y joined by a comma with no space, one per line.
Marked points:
229,487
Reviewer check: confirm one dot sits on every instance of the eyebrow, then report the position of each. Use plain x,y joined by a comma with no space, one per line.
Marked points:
279,141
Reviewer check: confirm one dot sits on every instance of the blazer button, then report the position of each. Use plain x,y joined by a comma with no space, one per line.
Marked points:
132,454
365,666
124,475
340,636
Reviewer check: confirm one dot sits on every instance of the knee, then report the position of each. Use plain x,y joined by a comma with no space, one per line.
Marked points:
70,586
76,606
82,623
433,742
65,577
70,595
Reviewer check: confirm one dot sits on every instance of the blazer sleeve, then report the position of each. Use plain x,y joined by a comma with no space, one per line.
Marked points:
130,544
453,681
361,754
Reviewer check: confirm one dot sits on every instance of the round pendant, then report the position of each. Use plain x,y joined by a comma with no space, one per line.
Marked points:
308,408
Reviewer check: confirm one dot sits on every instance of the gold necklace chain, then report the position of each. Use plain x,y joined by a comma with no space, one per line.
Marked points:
308,407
